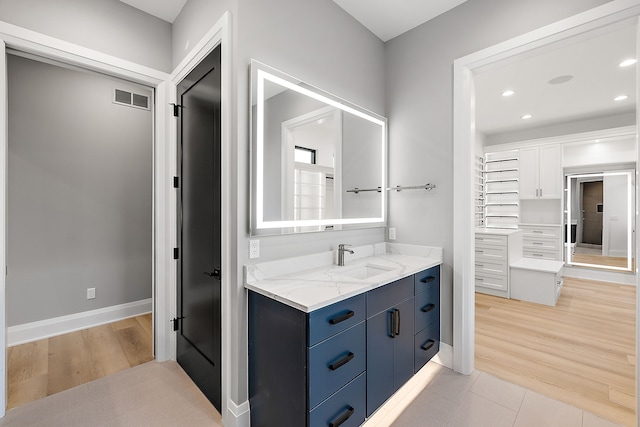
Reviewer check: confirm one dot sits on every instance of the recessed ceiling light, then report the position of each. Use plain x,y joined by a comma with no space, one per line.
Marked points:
526,117
508,93
620,98
628,62
560,79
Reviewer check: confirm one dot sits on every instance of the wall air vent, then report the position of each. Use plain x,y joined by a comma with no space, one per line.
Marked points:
130,99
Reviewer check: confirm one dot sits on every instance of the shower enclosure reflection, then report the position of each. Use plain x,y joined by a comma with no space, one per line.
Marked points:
599,220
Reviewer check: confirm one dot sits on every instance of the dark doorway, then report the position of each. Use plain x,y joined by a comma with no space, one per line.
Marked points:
199,281
592,198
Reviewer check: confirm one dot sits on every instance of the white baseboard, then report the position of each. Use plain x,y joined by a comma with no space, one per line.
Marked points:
34,331
237,415
444,356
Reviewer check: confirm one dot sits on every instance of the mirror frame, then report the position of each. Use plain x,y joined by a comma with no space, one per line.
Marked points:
261,73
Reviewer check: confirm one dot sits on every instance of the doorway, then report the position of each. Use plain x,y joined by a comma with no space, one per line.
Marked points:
80,209
464,142
592,209
199,341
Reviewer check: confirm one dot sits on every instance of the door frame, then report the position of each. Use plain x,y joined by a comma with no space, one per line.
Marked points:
164,168
463,159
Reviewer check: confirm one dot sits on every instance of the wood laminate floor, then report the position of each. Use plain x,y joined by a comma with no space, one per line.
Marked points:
582,351
42,368
607,261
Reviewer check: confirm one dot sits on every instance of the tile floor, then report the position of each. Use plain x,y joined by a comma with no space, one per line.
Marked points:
437,396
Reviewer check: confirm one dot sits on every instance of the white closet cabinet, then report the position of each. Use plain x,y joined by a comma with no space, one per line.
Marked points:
541,172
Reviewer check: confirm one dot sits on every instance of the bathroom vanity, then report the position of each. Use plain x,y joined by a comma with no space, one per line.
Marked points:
328,345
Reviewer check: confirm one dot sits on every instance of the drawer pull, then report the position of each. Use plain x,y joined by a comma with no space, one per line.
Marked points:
427,346
537,254
392,323
428,279
537,231
344,417
537,243
427,308
342,361
342,317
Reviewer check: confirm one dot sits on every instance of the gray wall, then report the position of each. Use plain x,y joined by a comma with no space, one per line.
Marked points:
108,26
419,94
79,193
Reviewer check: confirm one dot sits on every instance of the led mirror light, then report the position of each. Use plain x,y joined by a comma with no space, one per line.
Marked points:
262,76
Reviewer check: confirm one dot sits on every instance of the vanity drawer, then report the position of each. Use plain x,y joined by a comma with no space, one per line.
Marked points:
499,268
347,405
336,361
498,283
389,295
426,345
427,279
335,318
427,307
490,239
491,253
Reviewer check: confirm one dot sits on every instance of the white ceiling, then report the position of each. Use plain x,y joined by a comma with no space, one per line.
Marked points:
597,80
163,9
388,19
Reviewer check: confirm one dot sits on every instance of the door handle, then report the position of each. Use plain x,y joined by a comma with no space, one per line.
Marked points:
392,323
397,314
216,273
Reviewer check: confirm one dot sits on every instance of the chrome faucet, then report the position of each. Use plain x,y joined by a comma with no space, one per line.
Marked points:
342,248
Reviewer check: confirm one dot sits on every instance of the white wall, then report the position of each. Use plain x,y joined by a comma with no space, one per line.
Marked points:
108,26
419,108
79,193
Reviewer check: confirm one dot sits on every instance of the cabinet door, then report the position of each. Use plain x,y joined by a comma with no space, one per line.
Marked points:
550,172
379,360
403,344
528,166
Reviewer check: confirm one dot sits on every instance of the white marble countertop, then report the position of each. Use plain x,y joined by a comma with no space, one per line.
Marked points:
311,282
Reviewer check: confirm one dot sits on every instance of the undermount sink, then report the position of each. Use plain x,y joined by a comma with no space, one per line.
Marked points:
363,271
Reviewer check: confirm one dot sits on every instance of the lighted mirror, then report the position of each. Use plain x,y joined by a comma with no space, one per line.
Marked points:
318,162
599,220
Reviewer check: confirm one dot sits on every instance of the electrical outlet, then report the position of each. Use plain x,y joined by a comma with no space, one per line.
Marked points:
91,293
392,233
254,248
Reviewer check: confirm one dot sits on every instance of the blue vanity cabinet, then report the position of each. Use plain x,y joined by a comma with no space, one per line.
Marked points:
390,340
427,315
307,369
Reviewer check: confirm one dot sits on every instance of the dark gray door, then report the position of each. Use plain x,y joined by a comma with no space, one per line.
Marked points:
592,197
199,281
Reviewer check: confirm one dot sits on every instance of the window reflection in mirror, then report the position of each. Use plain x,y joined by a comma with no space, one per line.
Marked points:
599,220
309,149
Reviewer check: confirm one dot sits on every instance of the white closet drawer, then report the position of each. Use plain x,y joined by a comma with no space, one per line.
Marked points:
496,283
540,254
498,268
490,239
541,244
491,253
540,231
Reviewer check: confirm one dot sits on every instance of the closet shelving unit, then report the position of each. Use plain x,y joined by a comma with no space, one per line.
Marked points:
479,192
501,201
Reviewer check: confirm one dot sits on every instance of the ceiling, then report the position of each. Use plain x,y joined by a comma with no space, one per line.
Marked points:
592,61
163,9
388,19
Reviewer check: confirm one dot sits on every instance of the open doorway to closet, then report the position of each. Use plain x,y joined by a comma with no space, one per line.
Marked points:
80,229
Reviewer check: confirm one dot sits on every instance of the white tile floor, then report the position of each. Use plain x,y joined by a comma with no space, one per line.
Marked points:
437,396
